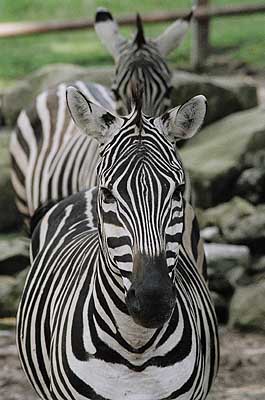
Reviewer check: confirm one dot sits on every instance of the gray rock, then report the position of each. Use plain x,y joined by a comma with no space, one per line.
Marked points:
243,87
14,255
222,258
247,308
10,292
255,160
251,185
239,222
211,234
9,219
13,99
258,266
214,156
237,274
249,230
224,96
6,306
228,213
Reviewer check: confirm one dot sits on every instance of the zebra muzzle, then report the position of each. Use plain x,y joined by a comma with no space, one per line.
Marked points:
151,298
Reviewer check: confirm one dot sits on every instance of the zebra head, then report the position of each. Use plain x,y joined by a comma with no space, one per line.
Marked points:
140,204
141,58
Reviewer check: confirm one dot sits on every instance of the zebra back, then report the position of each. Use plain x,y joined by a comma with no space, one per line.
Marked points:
51,159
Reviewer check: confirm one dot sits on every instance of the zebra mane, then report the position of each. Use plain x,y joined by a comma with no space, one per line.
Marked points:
139,37
137,89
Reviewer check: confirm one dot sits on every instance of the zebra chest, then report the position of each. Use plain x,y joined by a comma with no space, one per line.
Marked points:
98,352
108,367
117,381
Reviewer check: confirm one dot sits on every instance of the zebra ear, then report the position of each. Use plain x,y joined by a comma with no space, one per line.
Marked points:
184,121
91,118
171,38
108,32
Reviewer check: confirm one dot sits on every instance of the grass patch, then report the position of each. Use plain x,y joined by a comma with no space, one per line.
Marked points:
244,36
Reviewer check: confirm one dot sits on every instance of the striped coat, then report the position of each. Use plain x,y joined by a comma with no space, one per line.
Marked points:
116,305
51,158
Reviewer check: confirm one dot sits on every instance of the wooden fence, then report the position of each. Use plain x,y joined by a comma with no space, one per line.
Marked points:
203,13
201,26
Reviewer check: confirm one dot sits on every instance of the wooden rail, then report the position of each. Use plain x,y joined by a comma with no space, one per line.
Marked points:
201,26
201,13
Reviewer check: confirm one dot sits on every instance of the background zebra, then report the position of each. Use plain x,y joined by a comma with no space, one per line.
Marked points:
141,58
51,158
114,306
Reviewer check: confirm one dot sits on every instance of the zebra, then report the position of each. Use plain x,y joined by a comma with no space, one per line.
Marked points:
114,307
141,58
50,157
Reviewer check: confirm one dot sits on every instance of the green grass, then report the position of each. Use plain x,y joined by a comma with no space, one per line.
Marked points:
20,56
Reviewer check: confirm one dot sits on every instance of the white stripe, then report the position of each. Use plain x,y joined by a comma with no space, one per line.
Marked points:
27,133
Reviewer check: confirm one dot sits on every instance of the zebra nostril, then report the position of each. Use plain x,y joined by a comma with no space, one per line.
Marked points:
132,301
131,295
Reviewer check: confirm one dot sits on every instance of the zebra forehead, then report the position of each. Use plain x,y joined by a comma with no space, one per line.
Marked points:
147,58
143,178
147,55
138,162
134,142
139,137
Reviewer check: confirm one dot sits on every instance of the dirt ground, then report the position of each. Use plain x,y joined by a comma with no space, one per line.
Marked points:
241,374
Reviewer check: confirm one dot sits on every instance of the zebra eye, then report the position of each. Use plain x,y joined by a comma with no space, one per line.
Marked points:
178,191
108,196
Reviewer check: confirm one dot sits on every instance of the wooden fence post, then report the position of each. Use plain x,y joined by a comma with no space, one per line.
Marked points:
200,37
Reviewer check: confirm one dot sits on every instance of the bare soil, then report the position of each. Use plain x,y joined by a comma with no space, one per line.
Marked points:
242,367
241,374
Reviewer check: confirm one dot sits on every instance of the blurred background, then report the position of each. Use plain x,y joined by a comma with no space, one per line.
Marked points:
238,39
222,57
